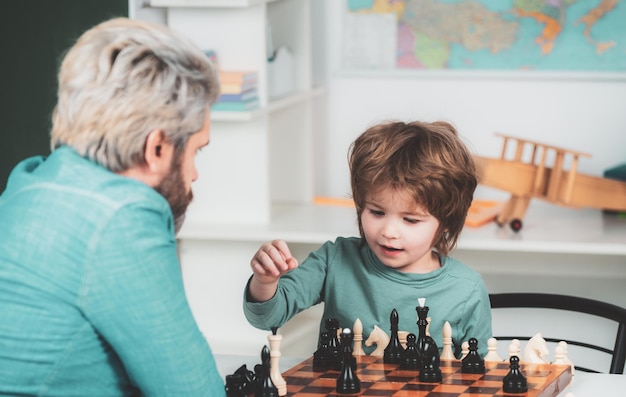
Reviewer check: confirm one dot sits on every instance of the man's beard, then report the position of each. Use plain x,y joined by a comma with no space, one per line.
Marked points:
172,188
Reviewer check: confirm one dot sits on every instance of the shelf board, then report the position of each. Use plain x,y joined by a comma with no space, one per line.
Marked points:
298,223
274,105
237,115
208,3
547,229
294,99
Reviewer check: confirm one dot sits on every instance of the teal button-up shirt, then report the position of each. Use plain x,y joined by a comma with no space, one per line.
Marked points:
91,295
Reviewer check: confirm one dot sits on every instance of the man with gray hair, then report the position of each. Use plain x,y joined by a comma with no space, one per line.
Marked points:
91,292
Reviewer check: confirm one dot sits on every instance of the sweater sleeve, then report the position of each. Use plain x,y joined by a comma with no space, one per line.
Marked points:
297,290
478,317
133,295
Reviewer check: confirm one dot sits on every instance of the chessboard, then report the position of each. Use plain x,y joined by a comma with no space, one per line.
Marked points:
380,379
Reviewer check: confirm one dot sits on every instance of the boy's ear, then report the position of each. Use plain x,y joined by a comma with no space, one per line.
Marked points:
158,152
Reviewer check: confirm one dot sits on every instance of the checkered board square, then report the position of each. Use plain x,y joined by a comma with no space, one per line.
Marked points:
380,379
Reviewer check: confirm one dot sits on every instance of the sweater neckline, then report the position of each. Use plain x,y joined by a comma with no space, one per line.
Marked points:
403,277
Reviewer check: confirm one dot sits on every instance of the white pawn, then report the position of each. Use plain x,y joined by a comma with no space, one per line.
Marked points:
278,380
515,348
357,350
566,359
558,356
446,352
464,349
492,353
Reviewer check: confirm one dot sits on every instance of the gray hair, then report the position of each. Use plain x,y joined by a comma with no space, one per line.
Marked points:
124,78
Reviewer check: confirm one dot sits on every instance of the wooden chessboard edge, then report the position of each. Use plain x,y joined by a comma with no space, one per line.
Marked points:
562,378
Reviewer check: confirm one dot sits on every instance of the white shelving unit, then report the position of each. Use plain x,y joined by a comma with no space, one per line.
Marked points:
264,156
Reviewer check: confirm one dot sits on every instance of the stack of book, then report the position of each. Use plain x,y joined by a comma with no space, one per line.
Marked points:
238,91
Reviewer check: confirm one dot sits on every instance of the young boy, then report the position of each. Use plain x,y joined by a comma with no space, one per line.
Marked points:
412,185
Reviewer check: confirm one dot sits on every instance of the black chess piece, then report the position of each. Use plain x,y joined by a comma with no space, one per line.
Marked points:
411,358
332,325
234,386
473,363
514,381
430,372
422,323
323,358
248,379
347,381
258,374
394,350
265,386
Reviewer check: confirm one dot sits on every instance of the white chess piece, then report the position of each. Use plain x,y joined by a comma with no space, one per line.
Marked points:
515,348
536,351
380,338
559,356
566,358
492,353
357,350
446,352
402,336
278,380
427,326
464,349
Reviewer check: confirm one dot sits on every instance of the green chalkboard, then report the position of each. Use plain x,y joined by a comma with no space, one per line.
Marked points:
34,34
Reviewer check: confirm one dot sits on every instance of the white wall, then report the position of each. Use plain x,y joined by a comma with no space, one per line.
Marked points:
577,112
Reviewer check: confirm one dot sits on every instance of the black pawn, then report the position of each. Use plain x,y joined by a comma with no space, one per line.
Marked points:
265,386
514,381
411,358
473,363
347,381
394,350
430,373
323,358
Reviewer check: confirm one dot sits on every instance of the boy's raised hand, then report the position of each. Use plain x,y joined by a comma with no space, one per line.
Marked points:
273,259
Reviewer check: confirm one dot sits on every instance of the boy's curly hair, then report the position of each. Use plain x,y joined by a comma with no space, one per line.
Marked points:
428,160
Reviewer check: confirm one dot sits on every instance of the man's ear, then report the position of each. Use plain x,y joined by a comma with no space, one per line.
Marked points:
158,152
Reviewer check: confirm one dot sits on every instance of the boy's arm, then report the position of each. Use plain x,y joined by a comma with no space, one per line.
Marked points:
269,263
297,290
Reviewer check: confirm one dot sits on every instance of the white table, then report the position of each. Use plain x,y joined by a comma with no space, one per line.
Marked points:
582,385
596,385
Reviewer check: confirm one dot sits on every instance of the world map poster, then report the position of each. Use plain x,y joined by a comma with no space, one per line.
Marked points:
541,35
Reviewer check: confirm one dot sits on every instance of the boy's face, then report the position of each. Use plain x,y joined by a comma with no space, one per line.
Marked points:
399,232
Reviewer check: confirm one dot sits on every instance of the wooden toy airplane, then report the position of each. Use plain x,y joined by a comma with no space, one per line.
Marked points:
534,177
